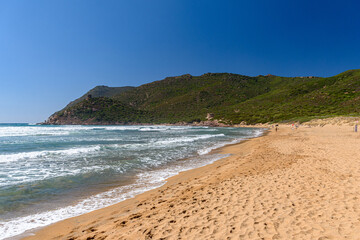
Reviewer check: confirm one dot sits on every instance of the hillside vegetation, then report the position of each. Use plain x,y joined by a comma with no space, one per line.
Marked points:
232,98
100,91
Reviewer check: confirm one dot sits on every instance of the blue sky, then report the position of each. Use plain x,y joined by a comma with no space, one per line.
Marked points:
52,52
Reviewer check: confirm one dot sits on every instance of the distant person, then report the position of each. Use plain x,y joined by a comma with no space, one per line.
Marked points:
355,128
276,127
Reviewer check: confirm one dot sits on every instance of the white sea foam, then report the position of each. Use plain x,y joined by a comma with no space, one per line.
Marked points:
120,128
37,174
20,225
165,143
36,130
37,154
17,131
255,133
146,181
151,129
187,139
258,132
216,146
30,131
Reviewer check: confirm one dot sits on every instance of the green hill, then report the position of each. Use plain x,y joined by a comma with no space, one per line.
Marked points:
100,91
232,98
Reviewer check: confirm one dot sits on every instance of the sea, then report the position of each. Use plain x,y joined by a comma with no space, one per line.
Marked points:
50,173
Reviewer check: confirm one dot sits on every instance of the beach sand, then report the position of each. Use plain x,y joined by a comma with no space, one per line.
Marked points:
290,184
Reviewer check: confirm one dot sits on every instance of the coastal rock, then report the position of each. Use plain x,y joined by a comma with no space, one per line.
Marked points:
210,116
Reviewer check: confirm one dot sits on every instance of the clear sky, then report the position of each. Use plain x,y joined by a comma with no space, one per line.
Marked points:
52,52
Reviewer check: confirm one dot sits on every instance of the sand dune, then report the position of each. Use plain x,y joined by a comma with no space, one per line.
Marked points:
290,184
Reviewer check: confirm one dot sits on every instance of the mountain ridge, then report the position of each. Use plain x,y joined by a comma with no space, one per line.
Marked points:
99,91
231,98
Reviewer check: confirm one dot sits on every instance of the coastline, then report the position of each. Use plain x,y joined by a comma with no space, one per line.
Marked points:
290,184
192,173
207,155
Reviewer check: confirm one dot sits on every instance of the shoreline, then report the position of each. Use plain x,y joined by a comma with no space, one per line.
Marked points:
208,158
290,184
42,232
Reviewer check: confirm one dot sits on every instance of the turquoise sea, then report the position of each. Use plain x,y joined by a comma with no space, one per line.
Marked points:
50,173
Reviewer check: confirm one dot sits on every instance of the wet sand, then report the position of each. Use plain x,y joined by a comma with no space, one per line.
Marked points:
290,184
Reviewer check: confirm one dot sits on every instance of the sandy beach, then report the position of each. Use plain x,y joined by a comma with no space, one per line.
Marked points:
289,184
